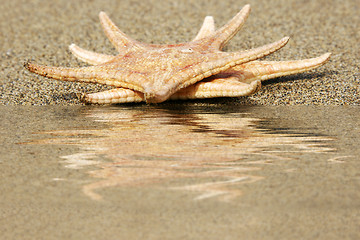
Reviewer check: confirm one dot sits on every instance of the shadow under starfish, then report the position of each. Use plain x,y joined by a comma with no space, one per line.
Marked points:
195,69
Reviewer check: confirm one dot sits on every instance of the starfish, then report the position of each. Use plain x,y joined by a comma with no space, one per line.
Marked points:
197,69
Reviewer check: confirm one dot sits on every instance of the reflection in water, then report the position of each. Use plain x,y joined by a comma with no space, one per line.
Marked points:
212,152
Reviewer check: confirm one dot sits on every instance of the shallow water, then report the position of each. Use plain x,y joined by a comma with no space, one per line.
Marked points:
193,171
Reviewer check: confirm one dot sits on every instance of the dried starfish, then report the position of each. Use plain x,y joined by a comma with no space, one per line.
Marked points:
195,69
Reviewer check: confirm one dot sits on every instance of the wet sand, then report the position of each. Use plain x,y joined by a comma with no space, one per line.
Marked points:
84,172
42,30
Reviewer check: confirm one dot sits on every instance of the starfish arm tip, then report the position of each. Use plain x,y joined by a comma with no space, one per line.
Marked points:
285,39
209,19
282,42
323,58
247,6
26,64
72,46
318,61
326,56
29,65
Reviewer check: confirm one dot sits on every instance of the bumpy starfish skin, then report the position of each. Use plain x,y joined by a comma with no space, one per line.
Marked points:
195,69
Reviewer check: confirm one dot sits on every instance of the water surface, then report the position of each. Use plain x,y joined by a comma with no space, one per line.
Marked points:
187,171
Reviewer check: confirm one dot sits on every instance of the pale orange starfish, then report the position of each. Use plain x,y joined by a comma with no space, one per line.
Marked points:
195,69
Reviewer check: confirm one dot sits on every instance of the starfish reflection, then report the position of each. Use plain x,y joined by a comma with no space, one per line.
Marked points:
213,153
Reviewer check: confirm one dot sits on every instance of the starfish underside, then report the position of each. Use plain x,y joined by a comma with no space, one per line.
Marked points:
195,69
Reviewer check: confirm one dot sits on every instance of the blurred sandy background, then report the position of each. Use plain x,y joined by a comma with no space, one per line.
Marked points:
42,30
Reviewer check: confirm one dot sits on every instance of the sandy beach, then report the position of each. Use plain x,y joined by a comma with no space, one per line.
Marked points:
41,31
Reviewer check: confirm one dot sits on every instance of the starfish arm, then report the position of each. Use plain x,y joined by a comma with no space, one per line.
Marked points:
93,74
208,89
117,95
206,29
119,39
219,62
264,70
89,57
221,36
217,88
